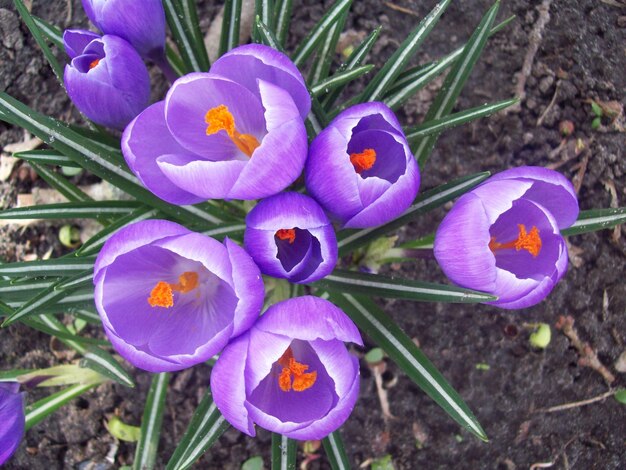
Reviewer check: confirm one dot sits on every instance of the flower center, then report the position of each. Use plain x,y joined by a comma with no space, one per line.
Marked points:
530,241
162,295
94,63
220,119
363,161
286,234
301,380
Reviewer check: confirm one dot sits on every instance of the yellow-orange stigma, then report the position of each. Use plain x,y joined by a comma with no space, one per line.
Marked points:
529,241
363,161
220,119
302,380
162,295
286,234
94,63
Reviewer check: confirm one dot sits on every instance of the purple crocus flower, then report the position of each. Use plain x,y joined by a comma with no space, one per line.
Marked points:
11,419
504,236
289,236
215,138
291,372
141,23
170,298
361,169
106,79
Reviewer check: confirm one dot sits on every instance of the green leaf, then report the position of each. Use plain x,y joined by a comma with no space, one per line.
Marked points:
311,42
68,266
326,51
253,463
454,82
72,210
374,356
106,365
41,409
424,243
282,13
23,289
65,374
65,336
53,33
47,157
61,184
375,89
264,11
596,108
436,126
146,452
336,452
12,375
284,452
403,351
233,231
207,425
122,431
229,37
620,396
350,240
339,80
383,463
381,286
188,39
596,219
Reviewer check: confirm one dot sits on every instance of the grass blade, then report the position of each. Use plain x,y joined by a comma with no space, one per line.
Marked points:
72,210
68,266
454,82
326,51
381,286
229,37
47,157
145,455
103,363
189,46
403,351
596,219
50,31
264,11
350,240
376,88
39,410
190,15
61,184
335,451
282,17
206,426
284,452
339,80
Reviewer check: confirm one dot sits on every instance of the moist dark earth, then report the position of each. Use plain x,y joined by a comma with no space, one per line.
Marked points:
484,352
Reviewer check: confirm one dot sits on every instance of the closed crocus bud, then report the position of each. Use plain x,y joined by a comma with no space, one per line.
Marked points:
140,22
361,169
106,79
291,373
170,298
216,138
504,236
289,236
11,419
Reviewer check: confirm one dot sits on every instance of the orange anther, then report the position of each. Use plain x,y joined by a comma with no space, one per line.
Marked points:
161,295
221,119
301,380
363,161
304,381
94,63
187,281
284,380
286,234
529,241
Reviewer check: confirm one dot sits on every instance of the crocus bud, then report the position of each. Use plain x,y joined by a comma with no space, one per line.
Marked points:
106,79
289,236
141,23
504,237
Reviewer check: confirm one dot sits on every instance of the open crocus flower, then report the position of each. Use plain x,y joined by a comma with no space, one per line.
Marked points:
11,419
504,237
141,23
106,79
215,138
361,169
291,372
170,298
289,236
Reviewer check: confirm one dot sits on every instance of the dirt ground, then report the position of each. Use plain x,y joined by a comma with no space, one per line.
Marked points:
483,352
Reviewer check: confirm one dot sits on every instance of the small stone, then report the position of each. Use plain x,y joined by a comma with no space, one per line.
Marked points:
621,21
546,83
527,138
620,364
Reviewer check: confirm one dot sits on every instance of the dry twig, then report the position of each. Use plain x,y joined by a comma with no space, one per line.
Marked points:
577,404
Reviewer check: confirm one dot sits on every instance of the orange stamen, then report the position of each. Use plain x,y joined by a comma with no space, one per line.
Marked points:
286,234
363,161
94,63
220,119
162,295
530,242
301,380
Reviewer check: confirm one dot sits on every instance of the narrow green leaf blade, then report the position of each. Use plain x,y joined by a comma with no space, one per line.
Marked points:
192,23
54,34
282,12
596,219
326,51
284,452
39,410
68,266
146,452
403,351
336,452
61,184
47,157
264,11
72,210
233,231
229,37
381,286
188,45
102,362
206,426
350,240
339,80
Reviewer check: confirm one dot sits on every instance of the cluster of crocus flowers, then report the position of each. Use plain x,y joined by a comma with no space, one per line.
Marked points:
504,236
11,419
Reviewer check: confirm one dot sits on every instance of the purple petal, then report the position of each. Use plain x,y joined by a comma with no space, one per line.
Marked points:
497,197
294,318
361,117
286,210
461,245
249,64
12,419
146,139
264,350
76,40
228,386
263,249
